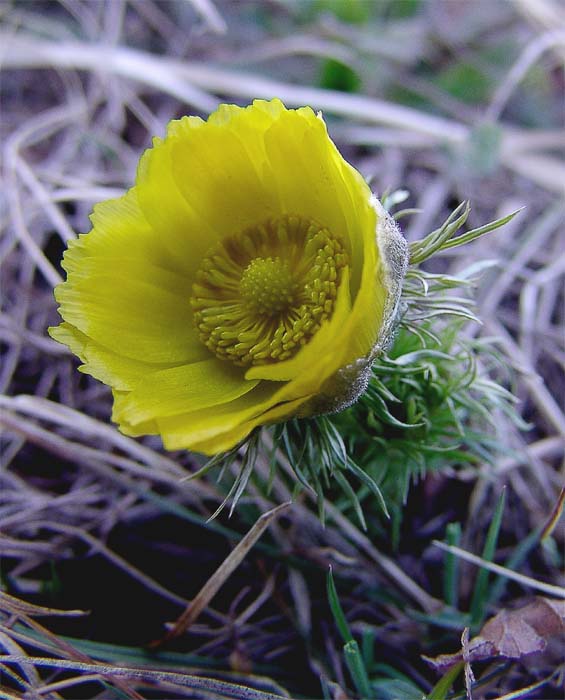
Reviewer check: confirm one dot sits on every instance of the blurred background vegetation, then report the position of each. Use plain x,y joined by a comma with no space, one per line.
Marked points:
434,101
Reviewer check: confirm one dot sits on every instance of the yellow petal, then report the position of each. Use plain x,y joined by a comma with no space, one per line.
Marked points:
112,369
306,177
149,427
182,231
228,113
214,171
225,440
120,230
183,389
133,308
71,337
193,428
124,290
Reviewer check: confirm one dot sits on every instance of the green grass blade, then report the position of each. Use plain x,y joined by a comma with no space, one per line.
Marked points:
368,647
513,562
451,566
357,669
443,686
480,594
336,609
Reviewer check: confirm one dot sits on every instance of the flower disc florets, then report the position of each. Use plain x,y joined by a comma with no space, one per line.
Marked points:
263,293
249,276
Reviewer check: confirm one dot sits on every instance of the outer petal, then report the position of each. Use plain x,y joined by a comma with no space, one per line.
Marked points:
121,230
217,175
314,180
129,305
206,427
184,233
225,440
307,179
112,369
176,390
139,317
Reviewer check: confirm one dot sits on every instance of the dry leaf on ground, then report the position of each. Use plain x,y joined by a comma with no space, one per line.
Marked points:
511,634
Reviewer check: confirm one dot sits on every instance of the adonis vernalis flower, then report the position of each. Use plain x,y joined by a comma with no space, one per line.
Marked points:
248,277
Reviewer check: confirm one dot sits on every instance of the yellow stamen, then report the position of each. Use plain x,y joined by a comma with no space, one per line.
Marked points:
267,286
260,294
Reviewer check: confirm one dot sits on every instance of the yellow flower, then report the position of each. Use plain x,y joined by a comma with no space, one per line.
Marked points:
249,276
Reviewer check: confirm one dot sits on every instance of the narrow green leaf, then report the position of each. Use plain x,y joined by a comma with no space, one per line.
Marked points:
469,236
383,390
335,441
357,669
368,647
370,482
396,689
412,358
443,686
351,497
424,249
294,462
336,608
380,408
513,563
451,566
319,498
479,599
245,474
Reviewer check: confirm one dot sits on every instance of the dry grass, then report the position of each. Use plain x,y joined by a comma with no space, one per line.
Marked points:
94,520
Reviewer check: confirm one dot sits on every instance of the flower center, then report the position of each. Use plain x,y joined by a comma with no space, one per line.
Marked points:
261,294
267,286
